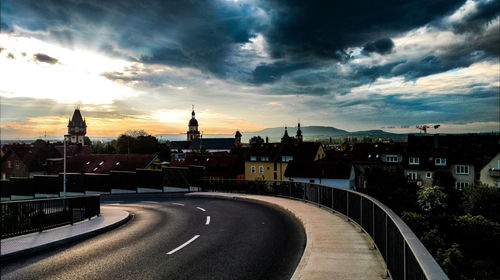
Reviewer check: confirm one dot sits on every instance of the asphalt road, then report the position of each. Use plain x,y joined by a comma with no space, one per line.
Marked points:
173,238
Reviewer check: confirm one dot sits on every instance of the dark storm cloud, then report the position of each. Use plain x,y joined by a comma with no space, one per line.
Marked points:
485,12
181,33
382,46
322,28
45,58
268,73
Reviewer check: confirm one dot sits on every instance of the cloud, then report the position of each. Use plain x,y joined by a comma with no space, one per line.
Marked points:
381,46
45,58
322,29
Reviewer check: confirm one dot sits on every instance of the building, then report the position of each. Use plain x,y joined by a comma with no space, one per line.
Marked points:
367,156
490,173
269,161
104,163
196,142
193,132
27,160
77,128
216,166
331,172
464,156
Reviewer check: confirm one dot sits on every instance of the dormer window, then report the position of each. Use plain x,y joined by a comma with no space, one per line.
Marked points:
413,161
391,158
253,158
286,158
440,161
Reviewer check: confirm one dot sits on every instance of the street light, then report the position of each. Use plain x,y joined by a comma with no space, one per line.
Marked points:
64,171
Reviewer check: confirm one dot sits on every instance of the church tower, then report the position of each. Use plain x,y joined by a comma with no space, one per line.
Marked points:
299,136
77,128
193,132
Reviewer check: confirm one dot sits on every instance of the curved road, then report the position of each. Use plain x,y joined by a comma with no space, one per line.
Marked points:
178,238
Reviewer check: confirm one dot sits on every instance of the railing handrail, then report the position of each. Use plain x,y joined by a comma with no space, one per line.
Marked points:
25,216
430,268
49,198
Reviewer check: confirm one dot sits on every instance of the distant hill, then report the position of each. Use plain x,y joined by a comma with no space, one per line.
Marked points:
309,133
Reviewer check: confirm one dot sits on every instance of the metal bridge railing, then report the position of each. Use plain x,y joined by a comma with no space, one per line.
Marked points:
405,256
26,216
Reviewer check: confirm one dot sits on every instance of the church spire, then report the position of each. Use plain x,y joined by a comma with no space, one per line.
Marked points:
299,136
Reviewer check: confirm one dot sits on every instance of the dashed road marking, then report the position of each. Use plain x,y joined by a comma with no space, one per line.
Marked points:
183,245
149,202
208,220
180,204
201,209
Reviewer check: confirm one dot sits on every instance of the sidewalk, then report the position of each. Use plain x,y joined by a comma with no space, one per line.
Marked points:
33,242
335,249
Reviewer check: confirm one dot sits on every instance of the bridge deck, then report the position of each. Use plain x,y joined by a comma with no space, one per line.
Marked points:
335,248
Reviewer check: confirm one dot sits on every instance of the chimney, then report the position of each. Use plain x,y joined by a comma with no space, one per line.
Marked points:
267,140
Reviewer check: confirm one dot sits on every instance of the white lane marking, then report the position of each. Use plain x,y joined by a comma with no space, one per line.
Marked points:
201,209
180,204
208,220
113,204
183,245
149,202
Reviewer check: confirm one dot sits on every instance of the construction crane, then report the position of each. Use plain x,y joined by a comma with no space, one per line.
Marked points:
424,127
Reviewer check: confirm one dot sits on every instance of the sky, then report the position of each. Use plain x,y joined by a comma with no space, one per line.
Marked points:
247,65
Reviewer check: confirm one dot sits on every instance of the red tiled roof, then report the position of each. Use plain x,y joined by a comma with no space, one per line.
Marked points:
103,163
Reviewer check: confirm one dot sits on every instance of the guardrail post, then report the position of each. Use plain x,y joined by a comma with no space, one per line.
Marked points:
332,200
318,197
386,250
347,208
361,212
39,212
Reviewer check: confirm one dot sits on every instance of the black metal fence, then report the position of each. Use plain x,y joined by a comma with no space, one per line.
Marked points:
405,256
25,216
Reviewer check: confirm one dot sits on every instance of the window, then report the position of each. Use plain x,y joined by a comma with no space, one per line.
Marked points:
264,158
412,176
462,169
311,181
462,185
101,163
253,158
275,166
95,169
118,163
88,162
261,169
413,161
275,176
17,164
253,169
440,161
9,164
286,158
391,158
428,175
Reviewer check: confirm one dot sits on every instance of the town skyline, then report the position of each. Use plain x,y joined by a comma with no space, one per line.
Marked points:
247,66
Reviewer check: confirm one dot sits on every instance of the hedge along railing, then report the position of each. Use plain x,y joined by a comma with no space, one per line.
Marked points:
26,216
405,256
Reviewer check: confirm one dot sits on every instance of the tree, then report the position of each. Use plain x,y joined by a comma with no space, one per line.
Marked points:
431,198
482,200
86,141
451,261
256,140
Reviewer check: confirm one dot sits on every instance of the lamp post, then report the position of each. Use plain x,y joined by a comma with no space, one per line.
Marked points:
64,171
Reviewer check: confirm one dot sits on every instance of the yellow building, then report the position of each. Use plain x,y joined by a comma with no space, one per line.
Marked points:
269,161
